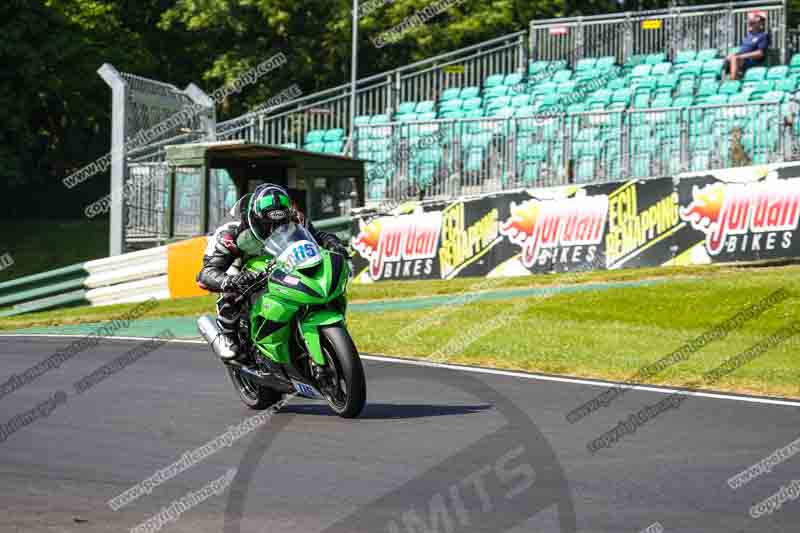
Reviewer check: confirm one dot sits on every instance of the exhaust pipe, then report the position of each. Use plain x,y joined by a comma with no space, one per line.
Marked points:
213,336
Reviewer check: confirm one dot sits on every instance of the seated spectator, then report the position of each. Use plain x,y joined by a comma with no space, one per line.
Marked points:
753,51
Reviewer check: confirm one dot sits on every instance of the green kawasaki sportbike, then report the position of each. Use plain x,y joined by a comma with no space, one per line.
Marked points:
293,330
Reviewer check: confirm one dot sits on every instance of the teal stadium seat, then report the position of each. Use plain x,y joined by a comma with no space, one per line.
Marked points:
545,87
712,68
427,106
562,76
788,85
525,111
521,100
469,92
315,136
730,87
661,69
456,114
654,59
502,112
778,72
717,99
685,87
794,65
605,63
334,147
567,87
586,63
336,134
691,69
495,80
500,101
495,90
406,107
534,67
471,103
661,101
774,96
453,104
684,56
755,74
621,96
451,93
512,79
640,71
616,83
707,54
708,87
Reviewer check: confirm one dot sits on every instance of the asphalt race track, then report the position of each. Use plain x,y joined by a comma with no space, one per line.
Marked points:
436,450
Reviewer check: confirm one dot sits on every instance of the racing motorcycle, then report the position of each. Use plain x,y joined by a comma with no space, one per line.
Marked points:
293,327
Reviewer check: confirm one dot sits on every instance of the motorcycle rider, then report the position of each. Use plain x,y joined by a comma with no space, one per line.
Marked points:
267,208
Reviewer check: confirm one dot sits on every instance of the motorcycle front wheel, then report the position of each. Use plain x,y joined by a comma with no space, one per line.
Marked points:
346,392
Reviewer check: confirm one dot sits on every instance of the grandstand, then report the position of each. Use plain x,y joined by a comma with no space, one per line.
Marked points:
567,102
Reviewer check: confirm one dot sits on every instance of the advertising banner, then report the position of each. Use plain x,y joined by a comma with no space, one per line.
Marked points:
732,215
740,215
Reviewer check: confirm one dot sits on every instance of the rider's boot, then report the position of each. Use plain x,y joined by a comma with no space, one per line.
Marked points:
227,342
227,346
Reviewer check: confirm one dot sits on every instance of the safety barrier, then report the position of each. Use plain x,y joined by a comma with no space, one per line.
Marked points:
125,278
738,215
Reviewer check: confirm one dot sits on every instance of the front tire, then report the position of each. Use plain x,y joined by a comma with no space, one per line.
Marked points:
252,394
342,359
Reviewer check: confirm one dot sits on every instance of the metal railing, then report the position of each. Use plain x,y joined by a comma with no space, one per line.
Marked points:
448,158
622,35
379,94
146,203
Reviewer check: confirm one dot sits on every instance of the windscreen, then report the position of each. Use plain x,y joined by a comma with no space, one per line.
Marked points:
293,246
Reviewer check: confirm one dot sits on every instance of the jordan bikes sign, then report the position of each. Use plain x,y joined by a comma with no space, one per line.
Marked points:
732,215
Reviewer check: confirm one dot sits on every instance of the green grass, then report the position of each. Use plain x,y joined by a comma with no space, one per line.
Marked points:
600,333
40,245
610,334
357,293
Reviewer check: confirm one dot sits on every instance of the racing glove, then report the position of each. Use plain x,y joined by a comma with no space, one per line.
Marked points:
240,282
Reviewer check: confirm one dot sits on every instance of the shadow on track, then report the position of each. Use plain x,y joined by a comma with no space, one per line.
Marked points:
387,411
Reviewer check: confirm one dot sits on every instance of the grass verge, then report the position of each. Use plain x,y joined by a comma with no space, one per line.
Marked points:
607,334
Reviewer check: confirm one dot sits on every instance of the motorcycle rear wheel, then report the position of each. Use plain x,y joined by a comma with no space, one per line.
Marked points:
252,394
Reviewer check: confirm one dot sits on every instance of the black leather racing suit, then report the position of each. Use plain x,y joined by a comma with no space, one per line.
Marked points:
221,253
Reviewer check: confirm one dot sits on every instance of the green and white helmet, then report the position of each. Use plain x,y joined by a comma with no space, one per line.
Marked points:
270,207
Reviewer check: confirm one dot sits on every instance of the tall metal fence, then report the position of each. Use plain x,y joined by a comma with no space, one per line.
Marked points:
720,26
379,94
147,115
448,158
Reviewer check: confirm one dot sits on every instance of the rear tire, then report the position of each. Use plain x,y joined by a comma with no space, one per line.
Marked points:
252,394
341,354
